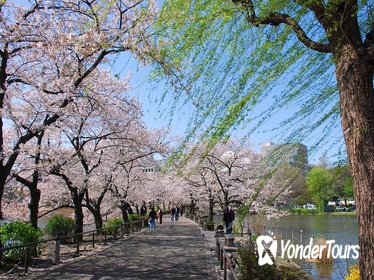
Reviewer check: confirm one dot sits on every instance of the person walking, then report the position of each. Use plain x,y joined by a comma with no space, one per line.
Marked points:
172,214
228,219
152,219
160,213
177,213
143,210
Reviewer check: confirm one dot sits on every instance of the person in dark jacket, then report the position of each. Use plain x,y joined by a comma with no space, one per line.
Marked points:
177,213
172,214
152,219
160,215
228,219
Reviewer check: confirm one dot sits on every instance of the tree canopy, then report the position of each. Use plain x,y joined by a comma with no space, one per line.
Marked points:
238,76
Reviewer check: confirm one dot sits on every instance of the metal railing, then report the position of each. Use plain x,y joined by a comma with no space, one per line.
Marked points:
227,261
93,237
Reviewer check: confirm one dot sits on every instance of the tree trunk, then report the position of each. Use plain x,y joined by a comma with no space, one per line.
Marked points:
129,209
192,207
211,210
78,213
3,175
98,219
34,205
2,185
125,216
355,81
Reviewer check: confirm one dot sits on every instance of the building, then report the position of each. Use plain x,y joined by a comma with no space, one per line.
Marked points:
295,154
153,169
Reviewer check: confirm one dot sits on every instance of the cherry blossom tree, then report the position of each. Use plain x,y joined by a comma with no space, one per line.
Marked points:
131,182
48,50
92,126
232,174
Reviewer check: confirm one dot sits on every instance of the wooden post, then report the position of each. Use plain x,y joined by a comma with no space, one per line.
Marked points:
218,249
222,257
104,236
93,239
57,250
26,259
78,244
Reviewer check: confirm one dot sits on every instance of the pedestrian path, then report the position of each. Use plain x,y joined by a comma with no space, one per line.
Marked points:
175,250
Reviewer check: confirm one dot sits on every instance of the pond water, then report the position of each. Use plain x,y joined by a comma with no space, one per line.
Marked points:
341,228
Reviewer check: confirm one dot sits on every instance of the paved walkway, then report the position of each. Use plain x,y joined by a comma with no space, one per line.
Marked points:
173,251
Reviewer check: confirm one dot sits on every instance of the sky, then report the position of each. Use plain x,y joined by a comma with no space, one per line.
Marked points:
157,114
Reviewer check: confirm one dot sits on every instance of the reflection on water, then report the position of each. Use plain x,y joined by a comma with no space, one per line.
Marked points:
341,228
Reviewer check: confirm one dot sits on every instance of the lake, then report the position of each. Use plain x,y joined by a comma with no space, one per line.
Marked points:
341,228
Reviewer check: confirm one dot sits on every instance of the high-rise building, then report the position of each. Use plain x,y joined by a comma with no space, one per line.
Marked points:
295,154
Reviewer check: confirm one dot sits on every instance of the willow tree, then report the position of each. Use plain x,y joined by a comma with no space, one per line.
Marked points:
313,55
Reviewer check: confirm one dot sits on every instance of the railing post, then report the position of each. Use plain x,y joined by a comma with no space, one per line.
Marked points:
225,267
218,249
104,236
93,239
78,244
222,257
26,258
57,250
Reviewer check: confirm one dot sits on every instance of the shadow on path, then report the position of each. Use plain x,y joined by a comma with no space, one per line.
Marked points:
175,250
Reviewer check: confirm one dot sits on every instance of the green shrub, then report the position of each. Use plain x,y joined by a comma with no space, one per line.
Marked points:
59,226
135,217
249,268
112,226
210,225
18,233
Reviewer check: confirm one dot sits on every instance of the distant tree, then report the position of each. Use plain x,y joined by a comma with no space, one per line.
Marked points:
348,188
319,183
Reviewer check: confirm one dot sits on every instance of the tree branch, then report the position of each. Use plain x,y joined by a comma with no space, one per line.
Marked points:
275,19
